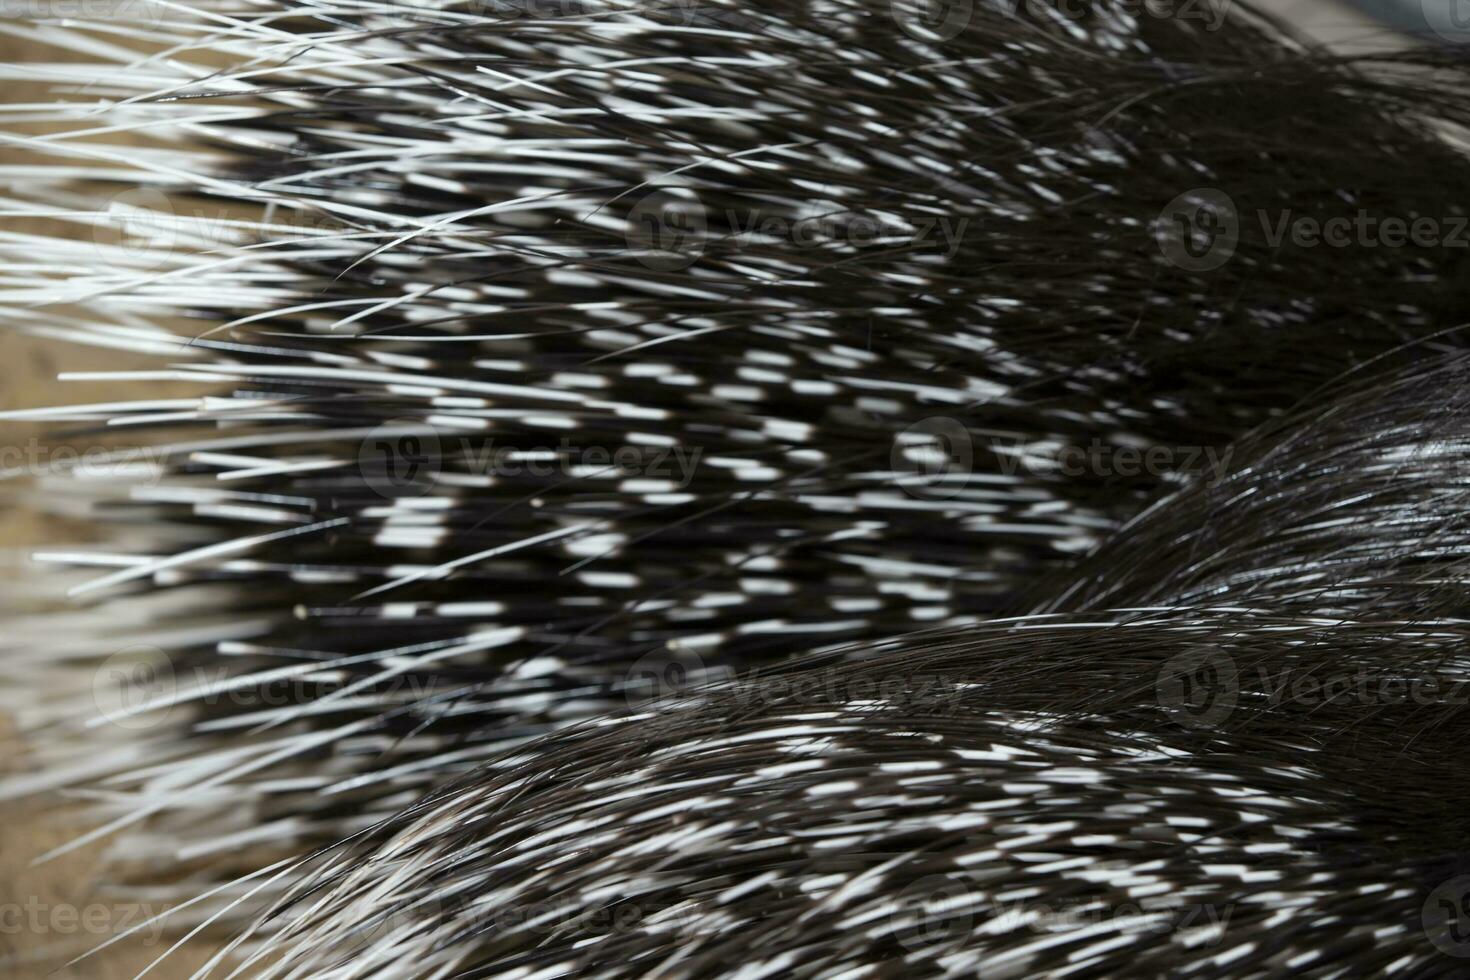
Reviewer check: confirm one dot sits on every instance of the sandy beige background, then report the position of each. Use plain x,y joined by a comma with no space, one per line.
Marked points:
59,910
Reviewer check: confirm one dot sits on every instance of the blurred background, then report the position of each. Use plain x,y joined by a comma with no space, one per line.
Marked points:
53,912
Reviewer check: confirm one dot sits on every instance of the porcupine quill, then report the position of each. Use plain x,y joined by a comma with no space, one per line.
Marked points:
444,240
1031,796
